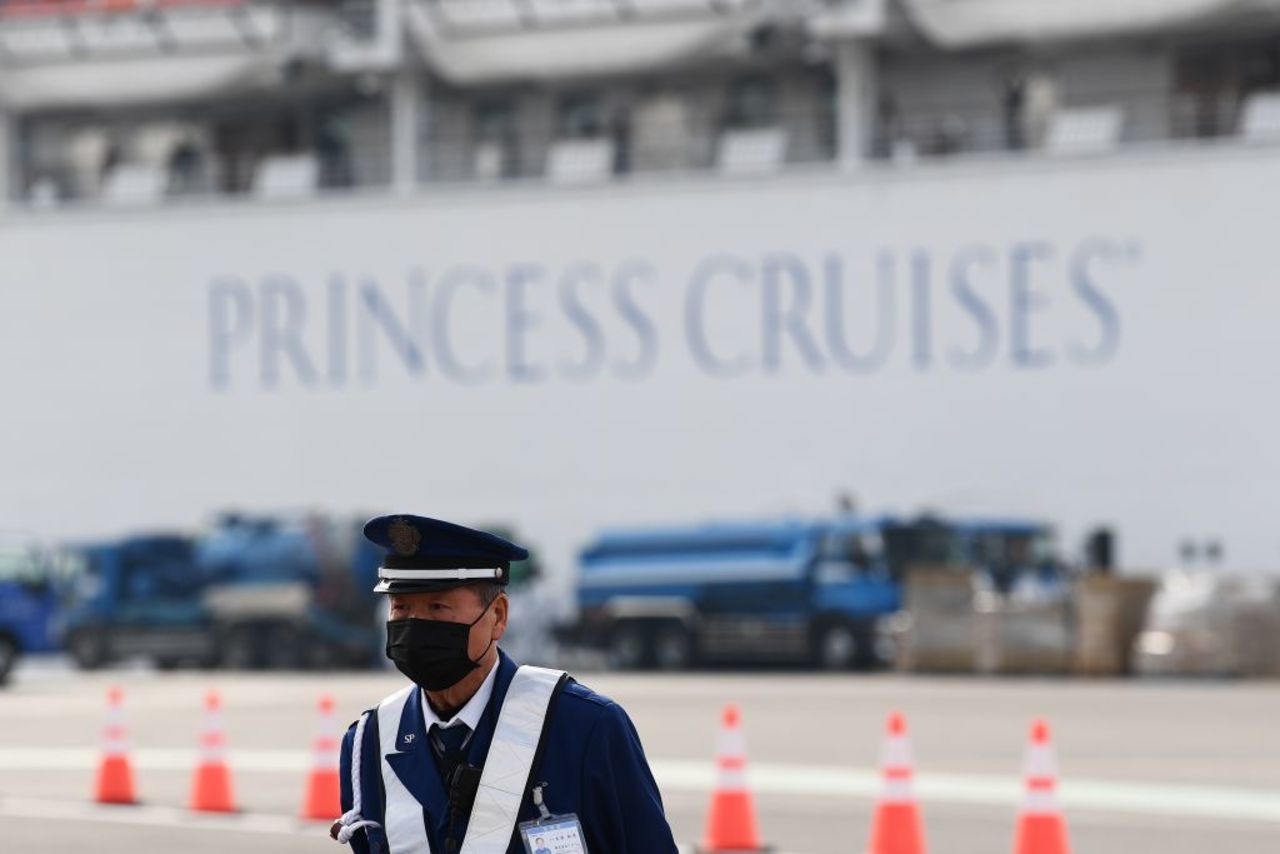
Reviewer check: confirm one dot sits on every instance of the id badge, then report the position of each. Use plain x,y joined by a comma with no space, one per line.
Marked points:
554,834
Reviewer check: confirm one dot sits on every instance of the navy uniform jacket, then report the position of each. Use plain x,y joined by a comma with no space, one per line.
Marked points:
592,762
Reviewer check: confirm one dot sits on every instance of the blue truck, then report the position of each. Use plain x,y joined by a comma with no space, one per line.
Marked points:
812,591
822,592
253,592
29,599
129,597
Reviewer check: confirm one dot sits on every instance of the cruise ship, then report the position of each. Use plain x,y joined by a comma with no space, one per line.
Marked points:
585,262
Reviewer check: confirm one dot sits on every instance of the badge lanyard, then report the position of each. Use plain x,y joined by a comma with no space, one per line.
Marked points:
552,834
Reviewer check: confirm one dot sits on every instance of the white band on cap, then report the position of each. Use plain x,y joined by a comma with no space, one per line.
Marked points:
438,574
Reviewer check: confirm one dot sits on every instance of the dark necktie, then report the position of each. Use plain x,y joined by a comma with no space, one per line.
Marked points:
449,745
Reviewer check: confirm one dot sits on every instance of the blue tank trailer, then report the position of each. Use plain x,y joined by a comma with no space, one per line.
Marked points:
278,592
818,592
253,592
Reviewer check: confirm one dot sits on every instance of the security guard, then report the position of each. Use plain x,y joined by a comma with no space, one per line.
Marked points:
480,755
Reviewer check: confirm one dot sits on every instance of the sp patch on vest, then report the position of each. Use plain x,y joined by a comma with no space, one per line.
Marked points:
504,780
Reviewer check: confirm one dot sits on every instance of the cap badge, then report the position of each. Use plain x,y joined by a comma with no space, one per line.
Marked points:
405,538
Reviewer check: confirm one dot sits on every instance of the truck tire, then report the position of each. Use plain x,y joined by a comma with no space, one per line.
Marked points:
837,646
673,647
630,647
282,648
8,657
325,655
88,648
238,649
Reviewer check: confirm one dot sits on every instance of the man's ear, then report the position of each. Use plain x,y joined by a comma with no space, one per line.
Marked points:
499,616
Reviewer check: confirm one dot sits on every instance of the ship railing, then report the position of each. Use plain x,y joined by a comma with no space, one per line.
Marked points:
629,152
1117,120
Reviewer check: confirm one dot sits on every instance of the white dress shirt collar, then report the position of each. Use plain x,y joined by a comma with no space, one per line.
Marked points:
469,714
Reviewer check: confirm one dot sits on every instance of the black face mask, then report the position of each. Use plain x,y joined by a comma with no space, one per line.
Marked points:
433,653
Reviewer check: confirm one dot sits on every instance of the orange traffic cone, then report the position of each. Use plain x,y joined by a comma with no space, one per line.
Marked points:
896,828
115,773
211,786
731,823
1041,829
322,801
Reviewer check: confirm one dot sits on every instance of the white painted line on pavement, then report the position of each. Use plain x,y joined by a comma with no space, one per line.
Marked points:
768,778
170,818
176,759
1164,799
148,816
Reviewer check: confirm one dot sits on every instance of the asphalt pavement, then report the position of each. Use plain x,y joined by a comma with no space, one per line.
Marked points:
1173,767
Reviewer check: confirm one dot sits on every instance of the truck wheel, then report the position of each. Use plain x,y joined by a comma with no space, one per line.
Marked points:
8,657
629,648
282,649
239,648
315,654
673,648
88,648
837,647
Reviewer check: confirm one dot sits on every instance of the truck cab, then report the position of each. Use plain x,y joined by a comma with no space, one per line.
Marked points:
787,591
137,597
28,602
251,592
856,584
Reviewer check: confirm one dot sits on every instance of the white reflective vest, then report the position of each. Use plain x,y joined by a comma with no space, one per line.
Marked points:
502,782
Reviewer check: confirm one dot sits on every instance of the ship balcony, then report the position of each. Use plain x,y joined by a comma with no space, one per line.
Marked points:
184,163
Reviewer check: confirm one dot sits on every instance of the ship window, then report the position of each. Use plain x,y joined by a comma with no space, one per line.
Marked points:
581,116
495,121
1213,81
752,103
496,144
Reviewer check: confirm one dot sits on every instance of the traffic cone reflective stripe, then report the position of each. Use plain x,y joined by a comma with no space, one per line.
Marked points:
211,786
1041,828
896,826
1041,773
114,784
731,822
896,773
322,801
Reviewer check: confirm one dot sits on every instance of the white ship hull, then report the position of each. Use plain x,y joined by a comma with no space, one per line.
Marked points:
1067,339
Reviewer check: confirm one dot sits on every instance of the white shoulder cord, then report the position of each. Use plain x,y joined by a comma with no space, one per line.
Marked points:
351,820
